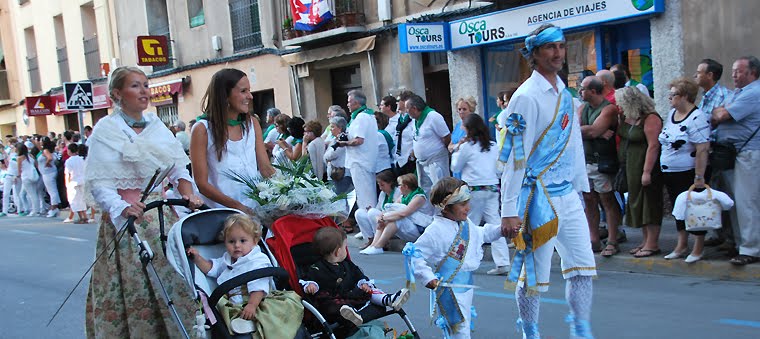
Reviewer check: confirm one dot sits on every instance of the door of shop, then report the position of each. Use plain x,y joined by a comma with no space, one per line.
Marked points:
343,80
437,86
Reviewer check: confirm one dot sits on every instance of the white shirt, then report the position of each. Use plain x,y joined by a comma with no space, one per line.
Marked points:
435,242
407,143
316,150
478,168
363,156
392,123
679,207
74,167
279,152
239,157
641,87
335,158
679,140
384,159
536,101
183,138
428,141
272,136
224,269
12,164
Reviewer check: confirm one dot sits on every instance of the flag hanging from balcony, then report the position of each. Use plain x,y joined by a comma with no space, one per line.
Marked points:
309,15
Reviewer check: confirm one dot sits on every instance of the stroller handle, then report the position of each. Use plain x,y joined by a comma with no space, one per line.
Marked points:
221,290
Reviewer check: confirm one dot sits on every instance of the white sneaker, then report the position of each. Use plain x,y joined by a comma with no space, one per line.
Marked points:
68,220
242,326
399,299
498,270
52,213
350,314
359,235
370,250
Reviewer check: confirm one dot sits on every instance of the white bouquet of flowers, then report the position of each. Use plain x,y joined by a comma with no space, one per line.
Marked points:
293,189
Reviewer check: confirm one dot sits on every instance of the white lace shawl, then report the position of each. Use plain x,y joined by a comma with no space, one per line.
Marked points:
119,158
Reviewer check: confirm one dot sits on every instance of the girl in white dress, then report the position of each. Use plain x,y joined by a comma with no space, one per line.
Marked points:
225,141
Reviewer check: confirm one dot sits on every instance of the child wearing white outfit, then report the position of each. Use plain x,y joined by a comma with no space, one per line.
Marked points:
453,245
74,178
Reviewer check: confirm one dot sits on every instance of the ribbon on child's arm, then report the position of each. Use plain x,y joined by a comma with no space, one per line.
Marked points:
410,252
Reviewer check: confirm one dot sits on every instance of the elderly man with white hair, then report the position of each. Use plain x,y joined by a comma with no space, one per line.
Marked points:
361,148
179,132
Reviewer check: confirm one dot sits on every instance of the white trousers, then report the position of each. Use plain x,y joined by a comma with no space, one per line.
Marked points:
464,300
51,188
743,186
29,187
573,243
431,170
365,187
367,221
11,187
484,208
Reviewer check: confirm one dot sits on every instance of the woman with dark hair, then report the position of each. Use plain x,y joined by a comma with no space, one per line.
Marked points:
293,149
476,159
49,171
224,141
366,218
29,177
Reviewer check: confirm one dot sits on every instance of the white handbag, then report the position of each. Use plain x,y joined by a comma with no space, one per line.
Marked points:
702,215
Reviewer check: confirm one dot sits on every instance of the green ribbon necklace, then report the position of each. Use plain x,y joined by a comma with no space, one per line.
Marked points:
355,113
406,199
418,122
230,122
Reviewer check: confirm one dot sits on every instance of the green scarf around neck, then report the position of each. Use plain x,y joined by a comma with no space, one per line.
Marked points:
406,199
355,113
230,122
389,197
418,122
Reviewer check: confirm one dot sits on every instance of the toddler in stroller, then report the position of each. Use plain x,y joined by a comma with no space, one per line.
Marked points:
239,306
341,291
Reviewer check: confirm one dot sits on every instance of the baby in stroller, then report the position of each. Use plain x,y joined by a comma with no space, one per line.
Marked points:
241,235
341,291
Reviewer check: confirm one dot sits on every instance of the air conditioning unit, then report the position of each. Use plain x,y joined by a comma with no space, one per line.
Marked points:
216,43
384,12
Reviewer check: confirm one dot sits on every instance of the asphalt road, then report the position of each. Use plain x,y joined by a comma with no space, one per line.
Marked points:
44,258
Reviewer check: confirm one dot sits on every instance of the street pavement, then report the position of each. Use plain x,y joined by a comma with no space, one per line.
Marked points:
44,258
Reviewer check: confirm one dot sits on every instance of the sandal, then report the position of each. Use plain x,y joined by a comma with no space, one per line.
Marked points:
643,253
610,250
635,250
743,259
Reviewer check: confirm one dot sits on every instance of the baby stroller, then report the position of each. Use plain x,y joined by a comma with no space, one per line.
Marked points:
291,246
201,230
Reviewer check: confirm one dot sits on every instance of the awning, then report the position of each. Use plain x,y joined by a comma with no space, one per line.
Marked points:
334,51
162,93
100,100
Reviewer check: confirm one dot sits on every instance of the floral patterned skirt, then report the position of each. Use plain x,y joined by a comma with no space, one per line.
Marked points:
122,302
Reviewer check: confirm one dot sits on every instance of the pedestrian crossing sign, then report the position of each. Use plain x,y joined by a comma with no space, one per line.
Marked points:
78,95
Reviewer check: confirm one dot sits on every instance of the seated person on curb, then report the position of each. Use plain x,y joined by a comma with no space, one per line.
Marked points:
241,305
367,217
407,219
340,290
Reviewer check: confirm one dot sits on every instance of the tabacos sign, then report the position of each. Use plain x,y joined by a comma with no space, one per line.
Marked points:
427,37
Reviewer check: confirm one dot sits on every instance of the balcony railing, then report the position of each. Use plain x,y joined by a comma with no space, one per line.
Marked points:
165,32
246,27
34,73
348,15
92,57
5,89
63,64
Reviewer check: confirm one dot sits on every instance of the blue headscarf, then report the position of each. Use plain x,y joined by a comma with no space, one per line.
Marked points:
551,34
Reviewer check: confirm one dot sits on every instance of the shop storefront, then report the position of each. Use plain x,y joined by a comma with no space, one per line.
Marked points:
599,34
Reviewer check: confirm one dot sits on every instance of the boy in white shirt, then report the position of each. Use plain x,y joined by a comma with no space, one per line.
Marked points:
74,178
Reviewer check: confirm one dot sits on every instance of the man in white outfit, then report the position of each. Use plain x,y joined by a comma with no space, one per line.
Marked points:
431,139
361,149
544,169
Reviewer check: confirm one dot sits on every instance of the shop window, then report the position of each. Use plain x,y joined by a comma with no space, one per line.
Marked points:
168,114
195,13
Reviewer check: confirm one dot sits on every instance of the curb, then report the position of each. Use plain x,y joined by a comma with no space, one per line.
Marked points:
705,268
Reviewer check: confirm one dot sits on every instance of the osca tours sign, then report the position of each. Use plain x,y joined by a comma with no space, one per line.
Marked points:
427,37
479,32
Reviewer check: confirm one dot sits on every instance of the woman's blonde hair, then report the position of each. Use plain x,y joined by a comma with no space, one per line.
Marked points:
409,179
469,101
634,103
118,77
245,222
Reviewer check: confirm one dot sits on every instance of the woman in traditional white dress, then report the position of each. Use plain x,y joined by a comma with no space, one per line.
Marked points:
224,142
126,149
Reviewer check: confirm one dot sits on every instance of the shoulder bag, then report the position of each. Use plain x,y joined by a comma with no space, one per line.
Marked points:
723,154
